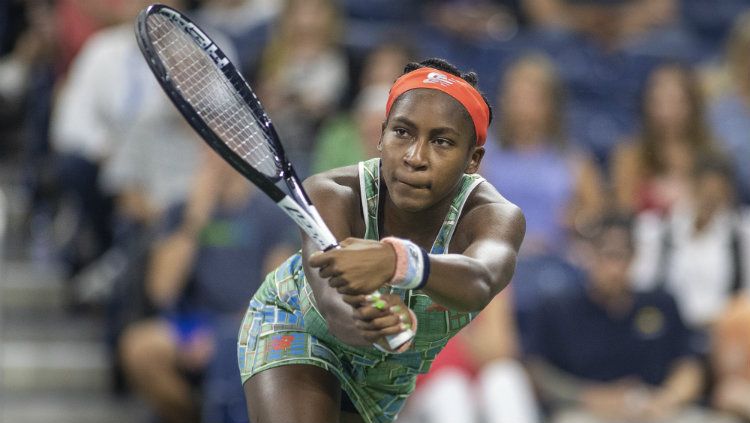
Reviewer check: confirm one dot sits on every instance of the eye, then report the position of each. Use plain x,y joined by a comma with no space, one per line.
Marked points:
401,132
442,142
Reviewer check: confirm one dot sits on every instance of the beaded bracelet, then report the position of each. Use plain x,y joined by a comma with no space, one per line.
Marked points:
412,264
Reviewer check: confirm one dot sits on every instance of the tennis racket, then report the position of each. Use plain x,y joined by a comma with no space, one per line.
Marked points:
219,104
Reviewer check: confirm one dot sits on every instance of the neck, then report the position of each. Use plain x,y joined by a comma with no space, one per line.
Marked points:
527,136
616,303
421,226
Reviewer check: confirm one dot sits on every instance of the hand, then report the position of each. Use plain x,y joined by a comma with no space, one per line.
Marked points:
616,401
379,315
659,406
731,394
359,267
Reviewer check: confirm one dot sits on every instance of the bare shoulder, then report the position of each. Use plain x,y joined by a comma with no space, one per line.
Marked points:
489,215
335,193
334,182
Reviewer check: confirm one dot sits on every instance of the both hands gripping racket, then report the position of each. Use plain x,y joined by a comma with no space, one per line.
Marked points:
219,104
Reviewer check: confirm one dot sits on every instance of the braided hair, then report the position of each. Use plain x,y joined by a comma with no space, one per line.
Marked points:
447,67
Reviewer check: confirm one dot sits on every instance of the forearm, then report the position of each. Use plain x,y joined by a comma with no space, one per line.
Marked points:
556,385
684,383
169,268
462,283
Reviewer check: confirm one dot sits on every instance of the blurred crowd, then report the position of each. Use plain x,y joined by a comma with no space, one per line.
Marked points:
622,131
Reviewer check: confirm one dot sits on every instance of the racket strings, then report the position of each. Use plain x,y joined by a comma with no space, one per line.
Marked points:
212,95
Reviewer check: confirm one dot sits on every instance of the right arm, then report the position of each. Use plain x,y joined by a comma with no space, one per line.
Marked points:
338,206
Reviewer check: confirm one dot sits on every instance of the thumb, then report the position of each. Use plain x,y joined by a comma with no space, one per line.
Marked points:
317,259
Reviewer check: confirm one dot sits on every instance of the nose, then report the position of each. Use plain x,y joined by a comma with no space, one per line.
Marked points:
416,155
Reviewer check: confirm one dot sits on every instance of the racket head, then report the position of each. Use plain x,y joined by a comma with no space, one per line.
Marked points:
212,95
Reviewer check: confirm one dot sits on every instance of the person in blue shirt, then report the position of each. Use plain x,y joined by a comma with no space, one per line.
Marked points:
605,353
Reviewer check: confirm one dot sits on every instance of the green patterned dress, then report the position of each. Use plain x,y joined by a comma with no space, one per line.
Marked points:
282,325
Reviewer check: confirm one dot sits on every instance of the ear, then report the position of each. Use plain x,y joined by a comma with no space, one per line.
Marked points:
382,131
475,160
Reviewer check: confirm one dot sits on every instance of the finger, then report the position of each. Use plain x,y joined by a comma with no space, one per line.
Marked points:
375,335
337,282
346,242
354,300
318,259
394,330
378,323
328,271
369,312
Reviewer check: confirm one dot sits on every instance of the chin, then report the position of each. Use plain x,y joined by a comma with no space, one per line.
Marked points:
410,202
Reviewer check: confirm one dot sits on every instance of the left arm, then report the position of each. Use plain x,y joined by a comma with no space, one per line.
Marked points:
470,280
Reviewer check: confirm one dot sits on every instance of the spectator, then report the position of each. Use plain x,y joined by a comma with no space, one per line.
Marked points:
27,82
117,136
564,190
606,353
303,61
209,257
698,251
729,112
477,377
731,359
245,23
80,19
303,74
651,171
347,139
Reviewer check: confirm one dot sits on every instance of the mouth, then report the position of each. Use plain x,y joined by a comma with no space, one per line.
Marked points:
413,184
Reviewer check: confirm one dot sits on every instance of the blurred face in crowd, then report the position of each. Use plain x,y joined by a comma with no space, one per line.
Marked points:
384,65
712,192
527,99
611,255
428,142
667,101
310,20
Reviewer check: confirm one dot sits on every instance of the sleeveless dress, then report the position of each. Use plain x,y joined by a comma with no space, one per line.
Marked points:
282,325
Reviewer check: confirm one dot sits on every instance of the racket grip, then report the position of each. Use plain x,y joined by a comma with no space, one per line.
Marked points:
395,341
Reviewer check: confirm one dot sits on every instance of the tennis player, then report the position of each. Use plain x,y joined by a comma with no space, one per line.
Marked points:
420,228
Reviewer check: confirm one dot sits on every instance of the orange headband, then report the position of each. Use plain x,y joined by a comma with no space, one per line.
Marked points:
452,85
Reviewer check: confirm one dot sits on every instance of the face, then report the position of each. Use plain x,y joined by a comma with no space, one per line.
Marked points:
428,143
526,96
667,100
611,257
712,192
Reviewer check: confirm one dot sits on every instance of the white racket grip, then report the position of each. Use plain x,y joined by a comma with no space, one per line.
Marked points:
395,341
321,235
322,224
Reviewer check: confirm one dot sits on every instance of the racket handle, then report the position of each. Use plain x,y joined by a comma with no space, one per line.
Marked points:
395,341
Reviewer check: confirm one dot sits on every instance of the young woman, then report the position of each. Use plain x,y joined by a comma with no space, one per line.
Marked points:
420,227
565,191
651,171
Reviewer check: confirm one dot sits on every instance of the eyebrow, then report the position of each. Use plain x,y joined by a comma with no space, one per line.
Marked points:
434,131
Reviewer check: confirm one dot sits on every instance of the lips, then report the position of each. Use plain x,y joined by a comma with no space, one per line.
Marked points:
414,184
